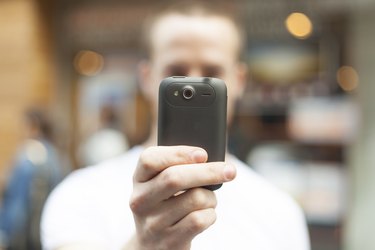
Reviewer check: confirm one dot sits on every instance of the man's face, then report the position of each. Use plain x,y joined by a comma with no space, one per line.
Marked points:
195,46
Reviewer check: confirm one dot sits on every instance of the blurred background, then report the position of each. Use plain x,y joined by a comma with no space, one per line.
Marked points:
306,121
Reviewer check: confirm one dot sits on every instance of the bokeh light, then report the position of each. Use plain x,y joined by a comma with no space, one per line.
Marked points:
88,62
299,25
347,78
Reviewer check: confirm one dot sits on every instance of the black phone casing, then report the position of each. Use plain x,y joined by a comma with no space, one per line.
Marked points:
200,121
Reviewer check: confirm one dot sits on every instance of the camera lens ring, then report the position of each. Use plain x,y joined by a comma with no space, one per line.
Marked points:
188,92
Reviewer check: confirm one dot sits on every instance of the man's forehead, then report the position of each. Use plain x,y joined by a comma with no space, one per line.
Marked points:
177,29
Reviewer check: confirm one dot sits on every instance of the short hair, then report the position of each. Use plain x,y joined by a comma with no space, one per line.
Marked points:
192,9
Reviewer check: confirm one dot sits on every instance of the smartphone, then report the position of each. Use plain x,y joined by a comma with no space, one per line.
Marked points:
193,111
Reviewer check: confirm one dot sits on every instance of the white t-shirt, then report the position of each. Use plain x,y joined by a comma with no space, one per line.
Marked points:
102,145
92,205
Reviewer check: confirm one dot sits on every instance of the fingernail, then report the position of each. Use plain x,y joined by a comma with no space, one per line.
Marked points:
229,172
199,155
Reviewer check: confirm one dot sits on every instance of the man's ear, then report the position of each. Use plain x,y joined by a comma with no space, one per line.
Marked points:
242,77
144,75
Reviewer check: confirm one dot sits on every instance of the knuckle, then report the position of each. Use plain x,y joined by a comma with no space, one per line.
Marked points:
199,198
182,152
136,203
203,198
213,199
201,221
198,222
171,179
145,160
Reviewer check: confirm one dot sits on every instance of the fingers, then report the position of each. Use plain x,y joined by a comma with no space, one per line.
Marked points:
178,235
182,233
179,178
195,223
182,217
183,177
176,208
155,159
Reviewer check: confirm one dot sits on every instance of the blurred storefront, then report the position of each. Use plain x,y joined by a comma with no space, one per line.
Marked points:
305,123
26,71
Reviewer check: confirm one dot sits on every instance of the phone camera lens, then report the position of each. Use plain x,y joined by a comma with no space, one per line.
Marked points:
188,92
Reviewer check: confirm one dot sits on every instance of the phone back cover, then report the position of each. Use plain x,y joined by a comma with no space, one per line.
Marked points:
200,121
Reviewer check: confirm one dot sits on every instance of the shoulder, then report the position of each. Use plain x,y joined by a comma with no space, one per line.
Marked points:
85,194
104,172
260,204
250,183
102,176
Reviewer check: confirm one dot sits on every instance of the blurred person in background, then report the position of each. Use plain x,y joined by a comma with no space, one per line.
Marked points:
35,172
151,197
107,142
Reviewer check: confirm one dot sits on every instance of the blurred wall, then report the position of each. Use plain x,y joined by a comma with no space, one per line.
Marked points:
26,75
361,220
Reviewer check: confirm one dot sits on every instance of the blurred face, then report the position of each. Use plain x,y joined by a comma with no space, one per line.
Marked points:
194,46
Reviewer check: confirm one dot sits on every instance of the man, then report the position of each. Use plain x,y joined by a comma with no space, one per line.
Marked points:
35,172
165,208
